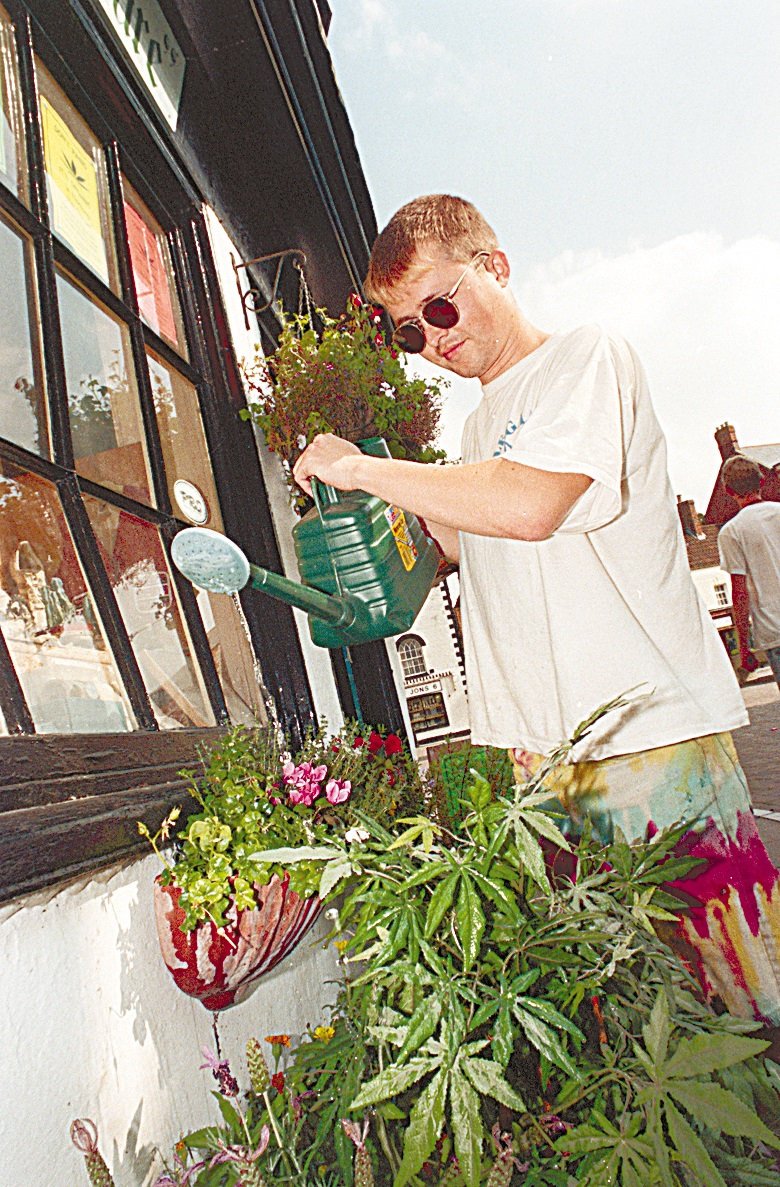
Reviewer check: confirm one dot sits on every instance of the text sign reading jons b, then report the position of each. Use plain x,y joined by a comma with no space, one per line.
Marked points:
147,39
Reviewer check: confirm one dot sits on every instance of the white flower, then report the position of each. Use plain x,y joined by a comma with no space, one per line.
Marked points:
356,834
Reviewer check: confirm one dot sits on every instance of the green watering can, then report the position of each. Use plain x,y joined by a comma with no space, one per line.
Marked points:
367,566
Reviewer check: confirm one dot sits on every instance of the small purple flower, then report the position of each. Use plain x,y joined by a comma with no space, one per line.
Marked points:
220,1070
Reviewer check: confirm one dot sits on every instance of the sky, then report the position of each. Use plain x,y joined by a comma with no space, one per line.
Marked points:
627,153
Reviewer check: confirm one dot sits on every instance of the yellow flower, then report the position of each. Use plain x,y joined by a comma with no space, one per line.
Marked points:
279,1040
325,1033
341,944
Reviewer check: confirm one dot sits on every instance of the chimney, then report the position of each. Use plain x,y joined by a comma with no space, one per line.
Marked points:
689,518
726,438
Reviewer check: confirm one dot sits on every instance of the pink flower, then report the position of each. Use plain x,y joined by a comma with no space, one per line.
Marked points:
304,781
338,790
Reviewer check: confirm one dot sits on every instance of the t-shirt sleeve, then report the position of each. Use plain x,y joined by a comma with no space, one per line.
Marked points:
577,427
730,551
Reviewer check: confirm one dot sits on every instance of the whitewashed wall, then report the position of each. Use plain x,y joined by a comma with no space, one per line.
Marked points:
92,1025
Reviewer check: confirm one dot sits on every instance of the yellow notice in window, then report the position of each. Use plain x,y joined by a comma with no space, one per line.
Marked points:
73,191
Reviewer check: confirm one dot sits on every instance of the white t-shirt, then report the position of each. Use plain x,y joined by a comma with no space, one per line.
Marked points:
750,544
557,628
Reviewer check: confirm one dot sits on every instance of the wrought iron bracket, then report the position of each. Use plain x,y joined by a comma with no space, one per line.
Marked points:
252,299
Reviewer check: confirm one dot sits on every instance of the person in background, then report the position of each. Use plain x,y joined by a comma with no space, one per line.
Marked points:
770,484
575,586
749,548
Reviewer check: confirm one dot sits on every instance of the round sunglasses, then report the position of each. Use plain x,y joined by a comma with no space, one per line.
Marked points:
440,312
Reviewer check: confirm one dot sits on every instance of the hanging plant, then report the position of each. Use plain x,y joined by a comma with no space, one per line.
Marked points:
345,380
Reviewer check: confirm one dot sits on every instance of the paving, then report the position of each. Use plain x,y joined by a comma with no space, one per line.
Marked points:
758,746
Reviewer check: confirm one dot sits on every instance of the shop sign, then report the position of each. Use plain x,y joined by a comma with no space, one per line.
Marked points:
147,39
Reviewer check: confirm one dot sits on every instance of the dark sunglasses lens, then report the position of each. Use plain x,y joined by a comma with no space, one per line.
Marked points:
441,312
409,338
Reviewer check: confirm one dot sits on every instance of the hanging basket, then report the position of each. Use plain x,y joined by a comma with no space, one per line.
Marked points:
221,966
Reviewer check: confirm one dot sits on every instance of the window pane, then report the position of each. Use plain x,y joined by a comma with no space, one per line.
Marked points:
187,467
233,657
142,584
56,642
155,287
12,159
105,416
22,404
79,207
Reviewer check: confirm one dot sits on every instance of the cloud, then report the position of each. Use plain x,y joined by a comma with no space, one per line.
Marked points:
703,315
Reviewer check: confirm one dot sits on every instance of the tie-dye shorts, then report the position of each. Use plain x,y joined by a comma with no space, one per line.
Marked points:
730,930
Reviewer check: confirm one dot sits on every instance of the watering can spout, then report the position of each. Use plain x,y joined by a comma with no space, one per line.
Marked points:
215,563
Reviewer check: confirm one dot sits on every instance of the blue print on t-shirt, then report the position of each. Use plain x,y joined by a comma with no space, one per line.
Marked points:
504,442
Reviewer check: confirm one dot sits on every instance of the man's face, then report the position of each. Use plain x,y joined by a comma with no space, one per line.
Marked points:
475,346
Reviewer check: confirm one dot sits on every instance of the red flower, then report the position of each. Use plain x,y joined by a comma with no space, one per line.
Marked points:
277,1080
375,742
359,742
391,778
335,745
393,745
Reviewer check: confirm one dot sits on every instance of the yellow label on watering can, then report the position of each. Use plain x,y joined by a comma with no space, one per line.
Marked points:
407,549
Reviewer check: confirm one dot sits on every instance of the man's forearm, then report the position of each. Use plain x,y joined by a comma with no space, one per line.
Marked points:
741,608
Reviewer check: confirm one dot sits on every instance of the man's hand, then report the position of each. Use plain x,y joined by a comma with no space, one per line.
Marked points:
328,458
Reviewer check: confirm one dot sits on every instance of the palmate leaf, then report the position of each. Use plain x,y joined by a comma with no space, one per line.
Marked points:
691,1149
471,921
422,1024
487,1077
711,1052
334,872
392,1081
426,1122
530,853
466,1127
720,1110
288,856
546,1041
658,1030
441,901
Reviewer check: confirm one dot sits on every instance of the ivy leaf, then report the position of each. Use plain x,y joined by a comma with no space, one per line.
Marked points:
466,1128
393,1081
487,1077
426,1121
471,921
691,1149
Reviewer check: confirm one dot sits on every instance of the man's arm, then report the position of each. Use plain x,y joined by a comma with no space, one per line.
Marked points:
740,599
492,498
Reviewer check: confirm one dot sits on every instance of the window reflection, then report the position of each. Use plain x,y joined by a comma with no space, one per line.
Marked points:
23,418
155,288
47,617
105,416
138,571
187,467
12,161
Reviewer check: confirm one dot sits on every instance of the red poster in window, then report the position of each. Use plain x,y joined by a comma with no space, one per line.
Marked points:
151,277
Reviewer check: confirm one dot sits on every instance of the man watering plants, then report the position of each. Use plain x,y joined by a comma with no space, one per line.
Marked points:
574,578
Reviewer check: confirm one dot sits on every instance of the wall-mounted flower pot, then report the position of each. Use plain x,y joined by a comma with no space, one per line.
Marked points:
222,966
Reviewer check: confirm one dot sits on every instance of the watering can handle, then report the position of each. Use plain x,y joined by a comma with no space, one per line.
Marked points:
324,494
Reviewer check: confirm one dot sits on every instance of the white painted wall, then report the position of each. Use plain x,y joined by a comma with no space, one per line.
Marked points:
92,1025
441,658
705,581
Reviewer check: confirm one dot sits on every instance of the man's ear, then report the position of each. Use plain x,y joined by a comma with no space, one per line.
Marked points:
498,264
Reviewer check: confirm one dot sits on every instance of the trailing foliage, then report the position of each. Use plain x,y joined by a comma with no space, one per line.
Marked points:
344,380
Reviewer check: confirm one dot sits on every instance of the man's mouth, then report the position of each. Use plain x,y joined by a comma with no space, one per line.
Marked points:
451,351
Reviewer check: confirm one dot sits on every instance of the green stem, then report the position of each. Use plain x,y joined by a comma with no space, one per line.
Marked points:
287,1155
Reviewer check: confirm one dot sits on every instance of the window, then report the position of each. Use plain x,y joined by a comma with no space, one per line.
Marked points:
721,594
410,651
427,712
104,455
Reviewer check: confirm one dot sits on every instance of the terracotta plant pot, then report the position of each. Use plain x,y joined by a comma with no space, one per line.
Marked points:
221,966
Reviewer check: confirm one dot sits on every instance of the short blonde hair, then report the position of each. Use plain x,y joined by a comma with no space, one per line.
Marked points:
437,221
741,475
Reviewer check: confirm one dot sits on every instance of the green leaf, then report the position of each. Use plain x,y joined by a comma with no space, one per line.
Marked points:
542,823
466,1128
691,1149
441,900
429,871
530,853
553,1017
487,1077
711,1052
392,1081
426,1121
546,1041
471,921
503,1036
291,856
721,1110
334,872
656,1033
422,1024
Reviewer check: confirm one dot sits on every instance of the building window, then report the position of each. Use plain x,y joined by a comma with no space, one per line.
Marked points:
721,595
410,651
427,712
